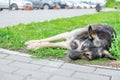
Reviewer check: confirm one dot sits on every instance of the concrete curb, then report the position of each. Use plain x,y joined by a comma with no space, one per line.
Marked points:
14,52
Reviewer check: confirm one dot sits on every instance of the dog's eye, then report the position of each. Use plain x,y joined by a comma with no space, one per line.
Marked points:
88,54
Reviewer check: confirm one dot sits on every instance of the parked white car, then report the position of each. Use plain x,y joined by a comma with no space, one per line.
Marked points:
69,4
92,5
81,5
15,4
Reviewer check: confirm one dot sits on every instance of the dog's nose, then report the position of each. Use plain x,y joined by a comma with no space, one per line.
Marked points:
74,55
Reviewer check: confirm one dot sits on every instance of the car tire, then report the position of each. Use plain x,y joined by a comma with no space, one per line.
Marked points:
85,7
79,7
1,9
46,6
14,7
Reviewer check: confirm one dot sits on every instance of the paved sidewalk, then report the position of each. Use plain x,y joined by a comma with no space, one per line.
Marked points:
20,66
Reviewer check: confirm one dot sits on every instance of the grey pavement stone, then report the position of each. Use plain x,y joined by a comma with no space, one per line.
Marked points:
26,66
48,63
90,76
8,69
33,74
4,61
19,58
2,55
30,78
75,67
57,71
7,76
108,72
115,77
62,78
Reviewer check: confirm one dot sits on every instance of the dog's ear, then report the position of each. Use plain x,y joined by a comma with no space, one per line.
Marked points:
106,54
91,33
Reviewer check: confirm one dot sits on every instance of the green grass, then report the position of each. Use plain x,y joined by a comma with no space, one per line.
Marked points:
13,38
112,4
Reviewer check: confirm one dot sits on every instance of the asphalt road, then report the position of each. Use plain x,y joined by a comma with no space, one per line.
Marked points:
9,18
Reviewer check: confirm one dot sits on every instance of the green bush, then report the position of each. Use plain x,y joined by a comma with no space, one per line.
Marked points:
112,4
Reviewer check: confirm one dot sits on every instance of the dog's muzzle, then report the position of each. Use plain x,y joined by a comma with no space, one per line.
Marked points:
74,55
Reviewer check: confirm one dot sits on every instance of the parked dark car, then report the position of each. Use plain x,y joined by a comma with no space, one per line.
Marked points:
48,4
62,4
1,9
36,3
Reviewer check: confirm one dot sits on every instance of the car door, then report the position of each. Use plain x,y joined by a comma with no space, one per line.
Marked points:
37,3
41,3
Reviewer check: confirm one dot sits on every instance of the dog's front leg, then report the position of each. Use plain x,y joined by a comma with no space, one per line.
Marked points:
36,46
31,42
62,36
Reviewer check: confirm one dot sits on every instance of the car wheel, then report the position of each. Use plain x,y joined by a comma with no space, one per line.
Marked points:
46,6
79,7
14,7
1,9
85,7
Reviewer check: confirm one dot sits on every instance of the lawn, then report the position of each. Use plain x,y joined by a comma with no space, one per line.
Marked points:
13,38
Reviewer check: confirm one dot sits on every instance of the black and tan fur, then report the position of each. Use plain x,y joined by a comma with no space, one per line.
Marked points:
90,42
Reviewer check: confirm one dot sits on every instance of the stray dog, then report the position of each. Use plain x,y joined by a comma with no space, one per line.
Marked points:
90,42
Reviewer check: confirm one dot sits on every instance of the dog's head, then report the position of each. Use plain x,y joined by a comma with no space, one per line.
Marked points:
91,46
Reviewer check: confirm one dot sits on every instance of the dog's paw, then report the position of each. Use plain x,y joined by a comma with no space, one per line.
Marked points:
33,46
31,41
37,45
